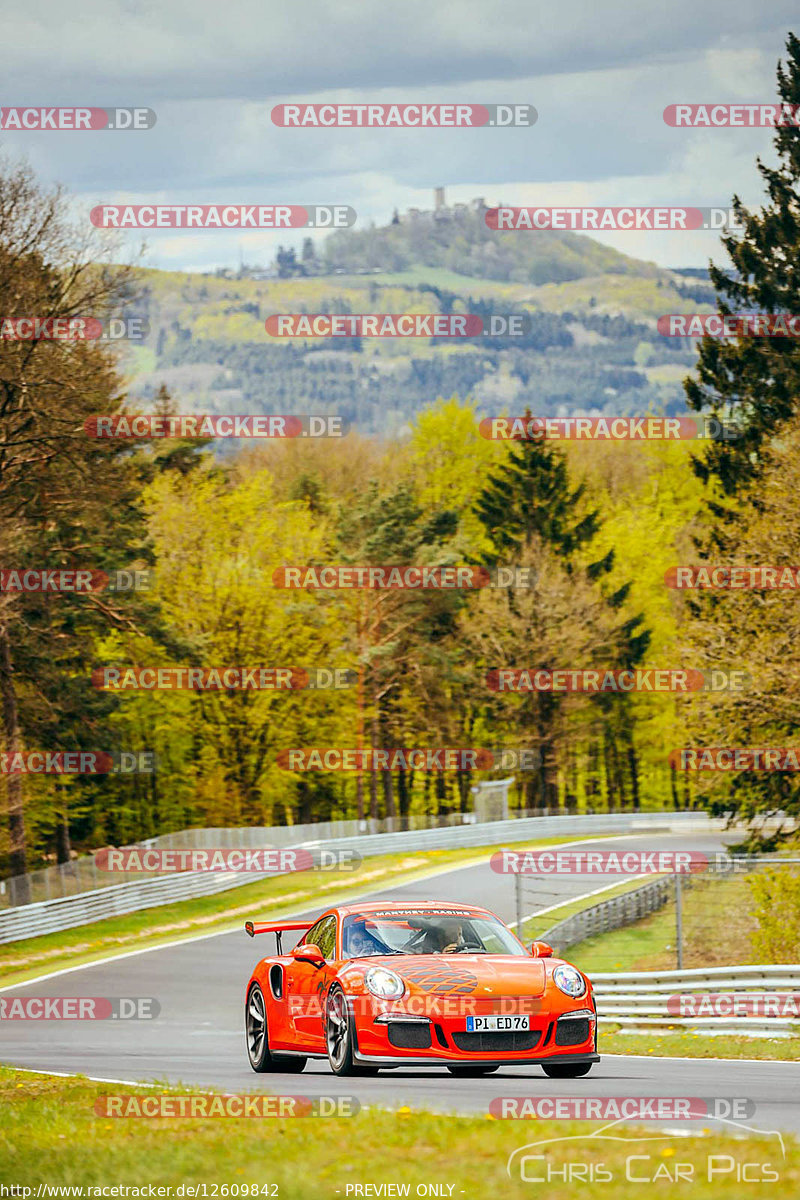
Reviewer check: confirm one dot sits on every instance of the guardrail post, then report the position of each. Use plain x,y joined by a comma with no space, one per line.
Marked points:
679,920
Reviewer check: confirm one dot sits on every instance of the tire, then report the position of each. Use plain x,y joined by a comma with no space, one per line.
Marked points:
339,1040
567,1070
257,1038
471,1070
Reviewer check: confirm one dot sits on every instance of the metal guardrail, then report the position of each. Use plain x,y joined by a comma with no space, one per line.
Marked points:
633,905
51,916
637,1000
82,874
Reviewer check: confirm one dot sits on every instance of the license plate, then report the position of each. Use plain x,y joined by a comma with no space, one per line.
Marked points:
494,1024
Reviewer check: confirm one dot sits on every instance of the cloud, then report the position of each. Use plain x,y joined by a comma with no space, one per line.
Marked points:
599,78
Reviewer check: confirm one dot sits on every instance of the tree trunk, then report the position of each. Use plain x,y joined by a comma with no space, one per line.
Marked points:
403,798
18,855
610,782
63,841
373,778
633,765
388,795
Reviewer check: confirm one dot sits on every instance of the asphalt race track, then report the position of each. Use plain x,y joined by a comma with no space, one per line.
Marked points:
198,1037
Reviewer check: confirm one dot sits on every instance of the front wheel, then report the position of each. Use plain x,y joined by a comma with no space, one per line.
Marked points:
567,1070
471,1070
255,1024
339,1033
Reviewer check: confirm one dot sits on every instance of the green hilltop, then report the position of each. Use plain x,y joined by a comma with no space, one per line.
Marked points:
592,345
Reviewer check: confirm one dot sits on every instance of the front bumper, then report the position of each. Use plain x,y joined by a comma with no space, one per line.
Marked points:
398,1039
488,1060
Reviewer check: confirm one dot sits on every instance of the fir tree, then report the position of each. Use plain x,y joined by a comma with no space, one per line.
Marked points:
756,379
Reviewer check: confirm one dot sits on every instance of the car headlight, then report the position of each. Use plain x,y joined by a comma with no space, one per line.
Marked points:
384,983
569,981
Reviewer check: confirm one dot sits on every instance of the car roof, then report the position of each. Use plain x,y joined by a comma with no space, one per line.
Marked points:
440,908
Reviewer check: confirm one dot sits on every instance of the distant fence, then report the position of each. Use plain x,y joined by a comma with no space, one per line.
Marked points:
50,916
633,905
615,913
637,1000
82,875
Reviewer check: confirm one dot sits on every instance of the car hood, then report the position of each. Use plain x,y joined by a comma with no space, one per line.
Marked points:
467,974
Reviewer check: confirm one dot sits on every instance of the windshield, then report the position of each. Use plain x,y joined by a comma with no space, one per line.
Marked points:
412,933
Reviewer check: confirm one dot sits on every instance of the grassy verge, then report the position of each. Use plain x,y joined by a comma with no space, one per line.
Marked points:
536,925
684,1044
50,1134
30,957
717,922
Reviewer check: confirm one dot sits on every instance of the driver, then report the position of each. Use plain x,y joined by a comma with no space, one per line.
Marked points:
456,935
442,938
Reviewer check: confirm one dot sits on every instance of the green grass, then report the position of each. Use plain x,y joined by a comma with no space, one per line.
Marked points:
50,1134
441,277
536,925
683,1044
25,959
635,295
717,925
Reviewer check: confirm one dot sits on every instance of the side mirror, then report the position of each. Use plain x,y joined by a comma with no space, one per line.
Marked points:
307,952
541,950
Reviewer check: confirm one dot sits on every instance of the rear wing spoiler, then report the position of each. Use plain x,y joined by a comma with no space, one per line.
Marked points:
251,928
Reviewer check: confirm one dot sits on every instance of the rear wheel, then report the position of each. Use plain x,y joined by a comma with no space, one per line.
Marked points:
255,1024
471,1070
567,1070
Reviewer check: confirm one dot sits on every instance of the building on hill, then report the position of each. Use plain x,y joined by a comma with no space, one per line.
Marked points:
441,210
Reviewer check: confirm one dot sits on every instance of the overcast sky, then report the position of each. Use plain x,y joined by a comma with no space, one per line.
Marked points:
599,76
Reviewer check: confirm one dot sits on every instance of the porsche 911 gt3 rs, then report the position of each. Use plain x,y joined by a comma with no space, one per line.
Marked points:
384,985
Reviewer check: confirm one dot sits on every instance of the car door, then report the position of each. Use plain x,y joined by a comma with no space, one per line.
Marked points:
307,986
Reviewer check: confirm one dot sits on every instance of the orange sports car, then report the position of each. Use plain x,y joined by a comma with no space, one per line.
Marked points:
383,985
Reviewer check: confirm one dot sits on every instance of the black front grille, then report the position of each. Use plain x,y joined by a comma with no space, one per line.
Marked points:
501,1041
572,1033
410,1035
